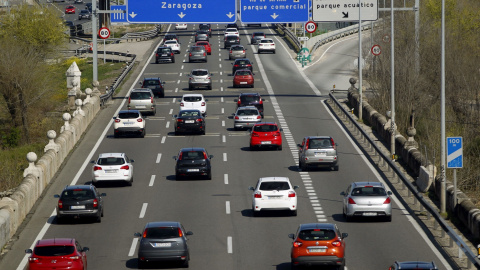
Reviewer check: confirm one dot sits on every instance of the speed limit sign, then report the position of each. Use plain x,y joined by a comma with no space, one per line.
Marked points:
310,27
104,33
376,50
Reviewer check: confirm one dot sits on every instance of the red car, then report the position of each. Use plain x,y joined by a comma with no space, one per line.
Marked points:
70,10
266,135
57,253
205,44
243,77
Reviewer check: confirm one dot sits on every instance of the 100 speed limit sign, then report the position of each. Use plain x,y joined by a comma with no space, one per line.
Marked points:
104,33
310,27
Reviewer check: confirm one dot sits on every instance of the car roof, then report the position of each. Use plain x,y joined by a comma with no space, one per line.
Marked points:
197,46
111,155
162,224
311,226
187,149
274,179
202,41
141,90
200,69
242,59
266,123
128,111
192,95
78,187
247,108
55,242
243,70
364,184
317,137
416,265
249,94
151,78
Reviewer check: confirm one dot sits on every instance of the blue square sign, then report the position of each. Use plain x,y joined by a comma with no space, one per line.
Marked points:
454,152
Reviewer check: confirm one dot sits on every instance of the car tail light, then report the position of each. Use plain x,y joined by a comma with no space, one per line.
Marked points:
151,99
243,51
257,195
307,144
209,78
117,120
236,117
180,156
203,103
179,120
33,259
180,234
276,134
156,55
260,101
129,99
254,134
235,65
297,244
60,204
199,120
336,244
204,54
248,65
387,201
205,155
145,233
351,201
171,54
333,143
139,120
125,167
181,104
291,194
190,54
95,203
97,168
230,51
259,117
191,78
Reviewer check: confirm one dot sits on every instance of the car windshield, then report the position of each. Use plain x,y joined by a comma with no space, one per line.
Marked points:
78,194
265,128
369,191
140,95
249,99
54,250
316,234
319,144
193,155
189,113
247,112
161,232
192,99
274,186
231,30
243,73
128,115
200,72
111,161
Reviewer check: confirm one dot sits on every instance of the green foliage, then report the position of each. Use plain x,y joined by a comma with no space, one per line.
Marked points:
11,138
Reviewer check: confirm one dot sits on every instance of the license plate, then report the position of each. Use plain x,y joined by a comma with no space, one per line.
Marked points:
193,170
164,54
111,171
128,123
320,154
317,249
274,197
369,214
189,121
140,107
266,142
77,207
243,82
162,244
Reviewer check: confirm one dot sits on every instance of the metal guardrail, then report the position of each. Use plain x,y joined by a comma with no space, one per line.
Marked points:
105,97
431,212
291,35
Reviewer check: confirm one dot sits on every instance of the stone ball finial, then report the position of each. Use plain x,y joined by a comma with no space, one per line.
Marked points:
352,81
411,132
66,117
88,91
31,157
51,134
78,102
95,83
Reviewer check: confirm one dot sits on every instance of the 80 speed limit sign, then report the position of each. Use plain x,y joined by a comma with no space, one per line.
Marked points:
104,33
310,27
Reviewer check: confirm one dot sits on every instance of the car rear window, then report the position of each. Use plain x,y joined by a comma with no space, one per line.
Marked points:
319,143
199,72
151,82
249,99
189,113
266,41
369,191
170,42
54,250
231,37
198,49
164,50
111,161
258,34
140,95
78,194
193,155
274,186
204,27
242,62
161,232
265,128
128,115
237,48
243,73
316,234
247,112
192,99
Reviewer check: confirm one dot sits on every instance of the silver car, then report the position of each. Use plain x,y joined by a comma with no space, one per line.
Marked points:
142,99
237,51
201,35
197,53
367,199
246,117
199,78
318,151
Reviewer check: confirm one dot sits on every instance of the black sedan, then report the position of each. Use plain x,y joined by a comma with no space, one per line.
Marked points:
80,201
242,63
163,241
193,161
189,121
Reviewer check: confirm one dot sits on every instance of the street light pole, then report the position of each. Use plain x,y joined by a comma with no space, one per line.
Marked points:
442,121
392,83
94,40
360,92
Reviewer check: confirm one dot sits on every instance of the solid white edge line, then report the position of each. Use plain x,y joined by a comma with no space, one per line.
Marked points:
397,201
143,211
229,245
227,206
42,232
133,247
152,180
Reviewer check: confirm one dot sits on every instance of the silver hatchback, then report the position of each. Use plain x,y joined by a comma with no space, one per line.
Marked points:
142,99
199,78
197,53
367,199
318,151
237,51
246,117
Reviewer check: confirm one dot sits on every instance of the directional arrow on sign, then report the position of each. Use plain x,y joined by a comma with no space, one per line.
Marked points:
133,14
274,16
345,14
230,15
181,15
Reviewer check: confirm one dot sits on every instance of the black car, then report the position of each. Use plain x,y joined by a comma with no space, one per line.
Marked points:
230,40
193,161
85,14
163,241
250,99
164,54
189,121
232,25
242,63
207,27
256,36
80,201
414,265
170,37
155,84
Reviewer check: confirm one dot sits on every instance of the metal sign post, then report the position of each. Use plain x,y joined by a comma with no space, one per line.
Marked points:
454,160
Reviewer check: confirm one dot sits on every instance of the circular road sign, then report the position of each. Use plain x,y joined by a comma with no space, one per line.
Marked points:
310,27
104,33
376,50
386,38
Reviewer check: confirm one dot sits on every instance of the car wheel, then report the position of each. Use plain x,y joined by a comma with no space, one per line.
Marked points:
294,267
235,128
273,51
98,219
252,148
156,62
202,132
388,218
279,148
303,167
190,87
252,86
129,183
177,133
210,87
142,135
234,86
185,263
178,177
173,60
102,213
205,60
294,213
229,58
335,168
60,220
255,213
115,134
209,176
142,264
342,267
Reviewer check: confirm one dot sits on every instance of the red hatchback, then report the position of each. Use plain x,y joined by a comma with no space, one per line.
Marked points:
243,77
70,10
205,44
57,253
266,135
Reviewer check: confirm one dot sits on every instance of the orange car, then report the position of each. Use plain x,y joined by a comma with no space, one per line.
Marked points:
205,44
319,244
243,77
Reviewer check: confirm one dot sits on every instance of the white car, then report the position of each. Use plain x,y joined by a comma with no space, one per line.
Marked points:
266,45
129,122
112,167
174,45
274,193
181,26
231,31
195,102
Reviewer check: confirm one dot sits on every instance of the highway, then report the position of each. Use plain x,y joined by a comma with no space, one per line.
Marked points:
218,211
